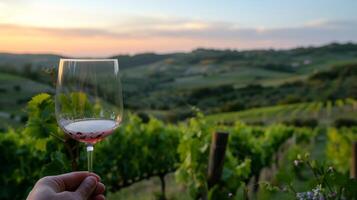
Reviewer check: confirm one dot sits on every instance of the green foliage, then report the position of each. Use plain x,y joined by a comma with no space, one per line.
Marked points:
16,174
194,151
339,147
249,149
323,180
41,121
345,122
312,122
137,151
328,183
77,105
29,154
132,153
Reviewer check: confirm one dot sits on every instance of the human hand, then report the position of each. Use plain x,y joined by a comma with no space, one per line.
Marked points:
70,186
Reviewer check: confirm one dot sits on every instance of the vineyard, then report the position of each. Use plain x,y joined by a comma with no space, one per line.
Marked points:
259,161
178,100
326,112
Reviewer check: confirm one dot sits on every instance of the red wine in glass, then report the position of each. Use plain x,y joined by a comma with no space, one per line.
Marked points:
90,131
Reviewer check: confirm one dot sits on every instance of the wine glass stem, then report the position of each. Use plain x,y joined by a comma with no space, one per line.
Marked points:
90,149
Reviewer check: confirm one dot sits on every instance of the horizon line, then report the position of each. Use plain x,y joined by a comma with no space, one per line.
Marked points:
183,51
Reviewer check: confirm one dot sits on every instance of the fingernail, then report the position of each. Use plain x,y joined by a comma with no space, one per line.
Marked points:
91,180
96,176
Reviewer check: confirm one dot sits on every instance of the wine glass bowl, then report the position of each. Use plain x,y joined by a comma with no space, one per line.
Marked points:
89,103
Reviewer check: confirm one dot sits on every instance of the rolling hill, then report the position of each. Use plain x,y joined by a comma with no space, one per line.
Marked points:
213,80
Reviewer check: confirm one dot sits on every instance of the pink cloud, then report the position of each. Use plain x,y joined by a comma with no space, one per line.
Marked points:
165,35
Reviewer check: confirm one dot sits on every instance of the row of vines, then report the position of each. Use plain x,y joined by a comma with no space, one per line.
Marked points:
306,110
140,150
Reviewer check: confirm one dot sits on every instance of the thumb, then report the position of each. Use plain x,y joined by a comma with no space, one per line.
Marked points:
87,187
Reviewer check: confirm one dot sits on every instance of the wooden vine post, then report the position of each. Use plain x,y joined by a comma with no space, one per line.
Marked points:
216,157
353,171
163,186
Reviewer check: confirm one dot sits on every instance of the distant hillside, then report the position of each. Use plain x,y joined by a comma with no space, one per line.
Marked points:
18,61
127,61
205,67
216,80
337,83
279,60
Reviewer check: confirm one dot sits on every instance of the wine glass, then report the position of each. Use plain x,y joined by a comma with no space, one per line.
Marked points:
89,103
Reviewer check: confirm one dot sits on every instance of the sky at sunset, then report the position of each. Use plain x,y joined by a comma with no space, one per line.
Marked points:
108,27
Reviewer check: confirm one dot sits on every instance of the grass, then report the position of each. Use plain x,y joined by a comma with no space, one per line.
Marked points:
208,75
150,189
239,77
327,63
9,77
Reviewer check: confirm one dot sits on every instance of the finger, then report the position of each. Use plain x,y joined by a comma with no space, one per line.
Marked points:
72,180
87,187
99,189
96,176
